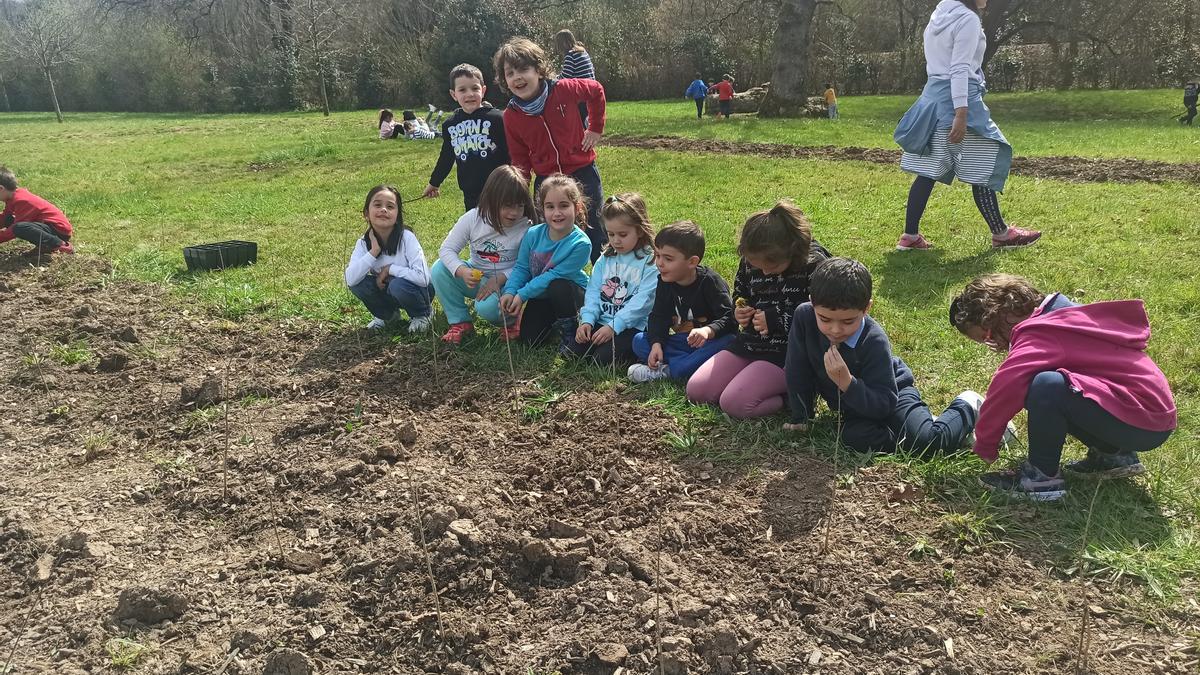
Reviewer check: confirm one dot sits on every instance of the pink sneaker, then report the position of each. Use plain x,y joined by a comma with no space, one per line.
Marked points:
1016,238
510,333
913,242
457,332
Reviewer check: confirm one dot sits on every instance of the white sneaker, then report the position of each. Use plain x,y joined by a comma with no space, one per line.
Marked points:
975,400
420,324
432,108
376,324
640,372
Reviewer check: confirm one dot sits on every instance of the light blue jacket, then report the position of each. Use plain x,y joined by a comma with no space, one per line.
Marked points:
621,291
541,260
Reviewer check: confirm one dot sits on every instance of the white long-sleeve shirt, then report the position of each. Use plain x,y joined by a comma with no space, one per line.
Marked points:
954,47
407,263
490,250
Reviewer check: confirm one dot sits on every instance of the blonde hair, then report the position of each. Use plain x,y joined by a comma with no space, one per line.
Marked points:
994,302
630,208
574,193
781,233
520,52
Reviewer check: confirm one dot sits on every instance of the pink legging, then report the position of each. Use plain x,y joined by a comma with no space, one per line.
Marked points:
744,388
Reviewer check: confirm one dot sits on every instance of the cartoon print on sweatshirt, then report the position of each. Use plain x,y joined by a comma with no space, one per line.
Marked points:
613,294
471,136
490,252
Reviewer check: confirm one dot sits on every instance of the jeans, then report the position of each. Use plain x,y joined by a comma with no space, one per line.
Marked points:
453,292
561,300
911,427
399,294
589,179
42,235
1056,410
726,107
699,108
833,113
684,360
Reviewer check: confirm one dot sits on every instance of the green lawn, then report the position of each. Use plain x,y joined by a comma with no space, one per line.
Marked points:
139,187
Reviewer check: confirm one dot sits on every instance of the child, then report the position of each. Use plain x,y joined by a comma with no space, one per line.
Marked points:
418,130
837,351
1191,93
621,290
697,91
778,255
1078,369
544,135
493,233
576,63
387,269
691,299
30,218
724,90
473,138
831,101
548,277
388,129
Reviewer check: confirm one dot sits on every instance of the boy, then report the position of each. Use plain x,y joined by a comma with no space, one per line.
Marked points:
724,90
697,91
32,219
473,137
836,350
831,101
690,298
1191,92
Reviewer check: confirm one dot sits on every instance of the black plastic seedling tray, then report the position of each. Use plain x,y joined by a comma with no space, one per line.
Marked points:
220,255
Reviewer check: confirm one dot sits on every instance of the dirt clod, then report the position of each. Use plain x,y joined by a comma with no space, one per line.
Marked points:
287,662
149,605
302,562
111,363
128,334
204,394
612,654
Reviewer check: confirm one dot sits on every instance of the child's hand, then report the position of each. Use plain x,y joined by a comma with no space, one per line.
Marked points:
836,368
590,139
492,285
699,336
795,427
511,304
743,315
381,279
469,275
760,322
376,247
602,335
656,355
431,191
583,333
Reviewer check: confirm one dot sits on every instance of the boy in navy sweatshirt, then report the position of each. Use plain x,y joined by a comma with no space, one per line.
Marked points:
837,351
473,137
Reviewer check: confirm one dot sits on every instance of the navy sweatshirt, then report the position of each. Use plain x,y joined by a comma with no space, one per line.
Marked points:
704,302
476,143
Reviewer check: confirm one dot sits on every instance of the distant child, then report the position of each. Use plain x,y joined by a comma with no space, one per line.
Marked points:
420,130
492,233
724,90
30,218
387,269
576,63
388,127
621,289
545,136
831,101
691,300
778,255
1191,92
697,91
473,137
839,352
548,277
1077,369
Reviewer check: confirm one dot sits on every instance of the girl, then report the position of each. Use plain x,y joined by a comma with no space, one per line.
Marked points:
778,255
949,131
1078,369
416,129
544,135
388,129
576,64
493,233
387,270
548,277
621,291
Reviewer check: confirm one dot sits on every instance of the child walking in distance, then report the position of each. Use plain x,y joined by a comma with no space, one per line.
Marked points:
836,350
691,304
545,134
473,138
831,101
388,127
621,290
387,269
492,233
778,255
30,218
1079,370
697,91
548,277
724,90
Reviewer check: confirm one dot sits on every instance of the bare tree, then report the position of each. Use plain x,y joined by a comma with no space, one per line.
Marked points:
319,22
51,33
789,92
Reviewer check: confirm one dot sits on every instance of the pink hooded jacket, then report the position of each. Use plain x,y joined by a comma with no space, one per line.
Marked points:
1100,348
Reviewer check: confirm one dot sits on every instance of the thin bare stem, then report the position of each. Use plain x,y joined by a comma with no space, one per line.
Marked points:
1081,647
433,590
512,372
837,463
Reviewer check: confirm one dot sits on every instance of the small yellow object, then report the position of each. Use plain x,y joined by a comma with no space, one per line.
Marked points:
740,302
476,275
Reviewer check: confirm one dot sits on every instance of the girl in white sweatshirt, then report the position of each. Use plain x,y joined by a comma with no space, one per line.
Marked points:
387,269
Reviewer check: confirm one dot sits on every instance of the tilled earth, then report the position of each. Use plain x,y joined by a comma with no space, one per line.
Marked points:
185,494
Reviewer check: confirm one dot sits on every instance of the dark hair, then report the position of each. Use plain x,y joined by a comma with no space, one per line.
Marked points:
684,236
465,70
993,301
392,245
631,208
828,85
385,115
566,42
781,234
726,77
507,186
520,52
574,192
409,115
8,180
840,283
972,5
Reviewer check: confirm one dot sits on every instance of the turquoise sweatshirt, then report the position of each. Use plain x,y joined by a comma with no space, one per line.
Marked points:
542,260
621,291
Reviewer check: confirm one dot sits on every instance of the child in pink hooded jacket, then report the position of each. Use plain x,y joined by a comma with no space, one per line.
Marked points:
1077,369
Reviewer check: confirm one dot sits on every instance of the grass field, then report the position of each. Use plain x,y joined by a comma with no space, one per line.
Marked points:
139,187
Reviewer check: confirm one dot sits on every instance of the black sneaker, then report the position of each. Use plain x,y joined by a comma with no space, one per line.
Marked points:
1105,465
567,345
1026,482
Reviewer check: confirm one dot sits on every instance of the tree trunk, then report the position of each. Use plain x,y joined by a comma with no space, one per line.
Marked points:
54,96
324,96
4,93
789,91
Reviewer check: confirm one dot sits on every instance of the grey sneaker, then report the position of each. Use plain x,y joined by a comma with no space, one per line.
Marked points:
376,324
420,324
1104,465
975,400
640,372
1026,482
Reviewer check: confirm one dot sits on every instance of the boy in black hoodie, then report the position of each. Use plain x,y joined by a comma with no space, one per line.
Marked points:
473,137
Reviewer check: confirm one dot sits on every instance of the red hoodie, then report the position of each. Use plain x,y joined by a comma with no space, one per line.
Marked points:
553,141
1100,348
26,207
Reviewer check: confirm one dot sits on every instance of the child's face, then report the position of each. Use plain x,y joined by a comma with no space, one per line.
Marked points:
839,324
468,93
523,81
6,194
622,235
511,213
673,266
559,211
381,212
767,265
996,341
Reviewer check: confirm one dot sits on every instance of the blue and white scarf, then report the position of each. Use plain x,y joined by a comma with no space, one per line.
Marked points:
537,105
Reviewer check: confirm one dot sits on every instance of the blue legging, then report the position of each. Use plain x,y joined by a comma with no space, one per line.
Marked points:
684,360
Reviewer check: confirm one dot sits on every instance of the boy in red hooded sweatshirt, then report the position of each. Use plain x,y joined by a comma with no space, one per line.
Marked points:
32,219
542,125
1077,369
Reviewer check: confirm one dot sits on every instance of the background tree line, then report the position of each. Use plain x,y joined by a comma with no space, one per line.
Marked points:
265,55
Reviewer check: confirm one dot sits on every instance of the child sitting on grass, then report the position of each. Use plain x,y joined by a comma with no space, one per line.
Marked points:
418,129
1080,370
691,299
836,350
30,218
621,289
387,269
388,127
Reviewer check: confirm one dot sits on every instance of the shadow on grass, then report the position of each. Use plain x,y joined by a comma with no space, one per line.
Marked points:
921,277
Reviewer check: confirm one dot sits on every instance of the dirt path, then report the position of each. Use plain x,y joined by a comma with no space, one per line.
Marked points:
1073,169
561,536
